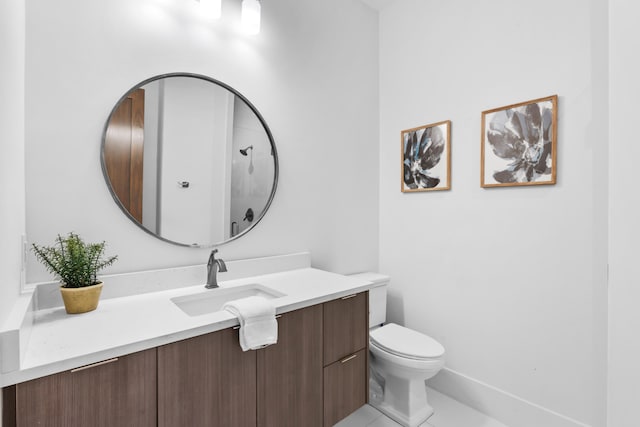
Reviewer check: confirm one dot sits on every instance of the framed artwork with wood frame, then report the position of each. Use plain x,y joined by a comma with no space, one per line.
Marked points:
426,158
519,144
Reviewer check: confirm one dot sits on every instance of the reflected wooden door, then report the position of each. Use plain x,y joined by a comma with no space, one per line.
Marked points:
123,152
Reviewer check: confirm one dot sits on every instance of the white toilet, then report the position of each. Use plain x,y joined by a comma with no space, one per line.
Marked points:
401,359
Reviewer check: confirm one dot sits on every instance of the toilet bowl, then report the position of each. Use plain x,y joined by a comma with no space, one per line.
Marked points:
401,360
404,359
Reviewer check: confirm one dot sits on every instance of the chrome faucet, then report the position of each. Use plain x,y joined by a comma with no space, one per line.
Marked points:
213,266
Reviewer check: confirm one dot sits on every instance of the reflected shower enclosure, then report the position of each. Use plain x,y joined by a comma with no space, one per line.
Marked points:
186,157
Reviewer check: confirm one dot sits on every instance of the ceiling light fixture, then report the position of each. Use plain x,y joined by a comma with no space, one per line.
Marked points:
212,8
251,16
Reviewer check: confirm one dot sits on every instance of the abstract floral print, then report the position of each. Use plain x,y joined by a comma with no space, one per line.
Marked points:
425,157
519,144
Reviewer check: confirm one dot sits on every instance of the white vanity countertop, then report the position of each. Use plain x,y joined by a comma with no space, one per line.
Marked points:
124,325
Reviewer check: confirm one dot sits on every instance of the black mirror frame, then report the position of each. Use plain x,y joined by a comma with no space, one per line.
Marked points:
236,93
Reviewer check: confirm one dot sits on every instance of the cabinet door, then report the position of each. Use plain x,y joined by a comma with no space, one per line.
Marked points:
207,381
290,372
116,392
344,387
346,326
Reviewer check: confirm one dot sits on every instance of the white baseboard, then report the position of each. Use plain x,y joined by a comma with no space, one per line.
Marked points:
503,406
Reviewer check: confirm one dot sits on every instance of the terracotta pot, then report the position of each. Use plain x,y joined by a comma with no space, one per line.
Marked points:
81,300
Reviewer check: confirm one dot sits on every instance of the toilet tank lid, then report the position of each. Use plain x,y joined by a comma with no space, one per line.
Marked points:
376,278
406,342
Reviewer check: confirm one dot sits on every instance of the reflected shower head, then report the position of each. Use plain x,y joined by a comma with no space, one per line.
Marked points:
244,151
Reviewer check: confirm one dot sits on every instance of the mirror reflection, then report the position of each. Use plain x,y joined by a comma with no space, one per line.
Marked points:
189,159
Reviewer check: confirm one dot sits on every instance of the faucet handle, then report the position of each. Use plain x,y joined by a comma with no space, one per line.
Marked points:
212,257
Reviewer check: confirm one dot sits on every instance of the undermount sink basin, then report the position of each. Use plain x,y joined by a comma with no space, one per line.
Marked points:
212,300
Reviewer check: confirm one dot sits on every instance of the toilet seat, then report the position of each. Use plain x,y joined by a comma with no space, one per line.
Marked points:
405,342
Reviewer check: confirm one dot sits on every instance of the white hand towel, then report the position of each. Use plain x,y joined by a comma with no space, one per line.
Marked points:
258,324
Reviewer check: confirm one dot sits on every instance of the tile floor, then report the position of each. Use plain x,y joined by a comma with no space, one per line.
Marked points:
448,413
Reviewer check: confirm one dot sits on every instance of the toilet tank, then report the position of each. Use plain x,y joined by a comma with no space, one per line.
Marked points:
377,297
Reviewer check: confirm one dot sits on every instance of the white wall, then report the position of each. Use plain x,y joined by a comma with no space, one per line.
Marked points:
624,269
512,281
251,175
194,149
12,181
311,72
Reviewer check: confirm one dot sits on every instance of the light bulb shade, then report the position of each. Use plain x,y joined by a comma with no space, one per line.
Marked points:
211,8
251,16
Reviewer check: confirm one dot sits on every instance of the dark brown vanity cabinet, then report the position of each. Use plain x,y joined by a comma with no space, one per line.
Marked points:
346,337
117,392
290,372
207,381
314,376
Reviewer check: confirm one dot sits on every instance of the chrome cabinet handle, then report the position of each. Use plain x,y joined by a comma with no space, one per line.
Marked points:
345,360
93,365
350,296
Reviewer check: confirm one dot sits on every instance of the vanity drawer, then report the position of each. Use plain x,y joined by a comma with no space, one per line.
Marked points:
345,387
346,326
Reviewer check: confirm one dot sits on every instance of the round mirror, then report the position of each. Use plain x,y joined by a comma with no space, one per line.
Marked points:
189,159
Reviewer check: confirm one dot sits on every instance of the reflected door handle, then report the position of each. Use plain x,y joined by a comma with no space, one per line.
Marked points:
248,216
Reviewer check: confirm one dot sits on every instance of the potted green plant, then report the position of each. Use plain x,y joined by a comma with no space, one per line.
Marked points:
76,264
